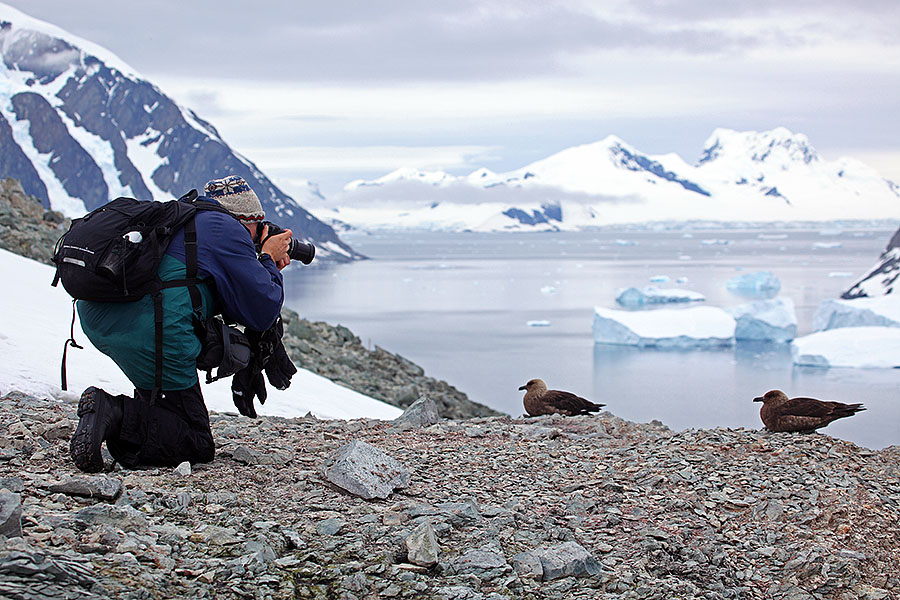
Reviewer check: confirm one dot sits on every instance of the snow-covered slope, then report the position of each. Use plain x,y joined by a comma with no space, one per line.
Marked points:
741,177
882,278
34,324
78,127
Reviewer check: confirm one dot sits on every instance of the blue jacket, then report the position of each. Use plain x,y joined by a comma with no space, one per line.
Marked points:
236,284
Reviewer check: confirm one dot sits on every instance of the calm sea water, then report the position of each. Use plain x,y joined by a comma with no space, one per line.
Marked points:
460,306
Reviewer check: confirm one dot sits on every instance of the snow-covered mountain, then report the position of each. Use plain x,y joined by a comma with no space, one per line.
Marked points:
78,127
881,279
741,177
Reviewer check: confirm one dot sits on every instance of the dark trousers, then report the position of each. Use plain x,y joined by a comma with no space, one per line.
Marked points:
165,432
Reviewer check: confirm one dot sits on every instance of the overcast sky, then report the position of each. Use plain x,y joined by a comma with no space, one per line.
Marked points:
333,91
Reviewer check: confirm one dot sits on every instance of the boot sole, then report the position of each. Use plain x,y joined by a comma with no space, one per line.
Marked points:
84,446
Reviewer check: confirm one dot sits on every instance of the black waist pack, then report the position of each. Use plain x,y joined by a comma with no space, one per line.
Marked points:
224,348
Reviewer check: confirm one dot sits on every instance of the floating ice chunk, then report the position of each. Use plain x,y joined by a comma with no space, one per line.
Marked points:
772,236
659,279
548,289
882,311
681,280
768,320
538,323
634,298
826,245
715,242
858,347
761,284
625,243
840,274
699,327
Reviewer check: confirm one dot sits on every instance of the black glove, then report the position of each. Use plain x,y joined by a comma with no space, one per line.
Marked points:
264,343
280,368
245,385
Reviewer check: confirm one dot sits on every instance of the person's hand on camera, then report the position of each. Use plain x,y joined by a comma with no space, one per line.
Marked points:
277,246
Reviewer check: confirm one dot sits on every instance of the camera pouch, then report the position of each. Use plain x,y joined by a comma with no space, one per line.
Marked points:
223,348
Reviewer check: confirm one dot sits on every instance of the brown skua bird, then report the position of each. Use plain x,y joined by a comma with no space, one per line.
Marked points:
780,413
539,400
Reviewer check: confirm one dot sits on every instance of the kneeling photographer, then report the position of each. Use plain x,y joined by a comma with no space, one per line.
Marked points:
239,257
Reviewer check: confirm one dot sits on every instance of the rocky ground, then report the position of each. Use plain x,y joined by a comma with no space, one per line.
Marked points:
485,508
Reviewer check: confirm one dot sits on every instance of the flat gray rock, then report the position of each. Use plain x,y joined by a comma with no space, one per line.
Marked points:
563,560
365,471
124,517
484,563
101,486
421,413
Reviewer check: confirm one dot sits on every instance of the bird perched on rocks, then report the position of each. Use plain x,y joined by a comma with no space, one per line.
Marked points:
541,401
780,413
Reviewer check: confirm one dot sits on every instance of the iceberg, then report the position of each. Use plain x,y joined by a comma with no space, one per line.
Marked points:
635,298
761,284
697,327
767,320
880,311
857,347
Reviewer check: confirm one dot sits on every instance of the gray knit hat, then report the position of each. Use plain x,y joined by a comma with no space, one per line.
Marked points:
235,195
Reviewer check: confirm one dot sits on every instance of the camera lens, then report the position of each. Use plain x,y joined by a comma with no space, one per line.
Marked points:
302,251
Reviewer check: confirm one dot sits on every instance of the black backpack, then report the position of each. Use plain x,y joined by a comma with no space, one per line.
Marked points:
112,255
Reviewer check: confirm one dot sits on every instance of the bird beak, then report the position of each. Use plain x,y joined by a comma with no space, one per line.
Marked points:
758,399
523,387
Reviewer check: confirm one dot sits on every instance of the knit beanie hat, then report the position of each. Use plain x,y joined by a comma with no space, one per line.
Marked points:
235,195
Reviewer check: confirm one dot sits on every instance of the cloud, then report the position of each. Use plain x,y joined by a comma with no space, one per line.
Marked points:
470,40
370,158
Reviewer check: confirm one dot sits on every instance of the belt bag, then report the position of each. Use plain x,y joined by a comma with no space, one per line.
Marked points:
223,348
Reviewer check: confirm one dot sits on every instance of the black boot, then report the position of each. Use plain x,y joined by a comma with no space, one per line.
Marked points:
99,418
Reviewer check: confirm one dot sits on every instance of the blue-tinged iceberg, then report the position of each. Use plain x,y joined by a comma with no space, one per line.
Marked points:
880,311
761,284
859,347
766,320
689,328
637,297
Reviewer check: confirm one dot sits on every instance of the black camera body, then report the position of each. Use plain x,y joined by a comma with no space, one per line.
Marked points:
298,250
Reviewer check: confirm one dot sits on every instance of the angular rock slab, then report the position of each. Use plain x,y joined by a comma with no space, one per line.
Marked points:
365,471
10,514
568,559
421,413
422,546
101,486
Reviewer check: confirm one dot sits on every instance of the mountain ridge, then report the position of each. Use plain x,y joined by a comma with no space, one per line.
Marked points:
80,127
770,176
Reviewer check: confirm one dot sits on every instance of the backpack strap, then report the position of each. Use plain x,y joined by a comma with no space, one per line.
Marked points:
190,282
69,342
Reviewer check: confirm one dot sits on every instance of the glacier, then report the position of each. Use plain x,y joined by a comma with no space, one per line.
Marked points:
690,328
771,320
